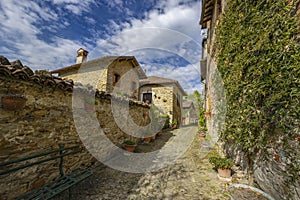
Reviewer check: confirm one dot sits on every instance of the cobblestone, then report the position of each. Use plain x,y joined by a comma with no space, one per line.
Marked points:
190,177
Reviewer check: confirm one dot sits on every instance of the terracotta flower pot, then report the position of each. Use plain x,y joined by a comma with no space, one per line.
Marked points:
13,102
225,173
201,134
159,133
147,139
130,148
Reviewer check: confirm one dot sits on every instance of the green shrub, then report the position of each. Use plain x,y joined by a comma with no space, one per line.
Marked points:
223,163
130,142
258,58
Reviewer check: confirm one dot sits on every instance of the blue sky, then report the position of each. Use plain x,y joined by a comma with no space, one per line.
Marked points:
163,35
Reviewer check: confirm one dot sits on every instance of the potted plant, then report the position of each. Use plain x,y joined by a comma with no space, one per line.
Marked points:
147,139
174,123
159,133
13,101
223,165
202,133
89,104
147,136
129,145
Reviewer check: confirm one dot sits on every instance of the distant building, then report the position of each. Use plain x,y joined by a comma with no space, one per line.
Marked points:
122,75
164,93
189,115
112,74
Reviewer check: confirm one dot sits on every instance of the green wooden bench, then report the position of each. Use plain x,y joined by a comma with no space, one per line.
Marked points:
62,183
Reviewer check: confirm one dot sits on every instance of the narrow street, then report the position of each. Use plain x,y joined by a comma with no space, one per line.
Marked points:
190,177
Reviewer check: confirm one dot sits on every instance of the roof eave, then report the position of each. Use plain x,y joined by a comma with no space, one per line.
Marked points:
207,11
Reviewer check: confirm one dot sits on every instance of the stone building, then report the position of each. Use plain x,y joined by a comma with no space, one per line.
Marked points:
47,119
123,76
270,175
164,93
112,74
211,10
189,114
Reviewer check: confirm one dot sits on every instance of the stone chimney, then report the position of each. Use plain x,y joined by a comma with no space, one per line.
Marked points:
81,56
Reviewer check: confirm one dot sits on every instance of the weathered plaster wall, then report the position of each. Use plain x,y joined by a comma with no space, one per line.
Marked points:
128,74
177,104
100,73
47,120
89,77
163,99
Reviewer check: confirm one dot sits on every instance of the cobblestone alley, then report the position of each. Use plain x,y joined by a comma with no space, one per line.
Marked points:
190,177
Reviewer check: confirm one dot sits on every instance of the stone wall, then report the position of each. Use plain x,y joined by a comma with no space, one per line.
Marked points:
46,121
271,171
163,97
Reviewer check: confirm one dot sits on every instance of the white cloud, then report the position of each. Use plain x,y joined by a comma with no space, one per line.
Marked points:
77,7
90,20
171,27
188,76
18,16
173,30
74,9
66,1
117,6
23,21
19,28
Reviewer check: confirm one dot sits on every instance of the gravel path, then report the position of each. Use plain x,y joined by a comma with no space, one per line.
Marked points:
190,177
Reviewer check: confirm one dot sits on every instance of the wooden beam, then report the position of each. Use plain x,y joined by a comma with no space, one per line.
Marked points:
205,19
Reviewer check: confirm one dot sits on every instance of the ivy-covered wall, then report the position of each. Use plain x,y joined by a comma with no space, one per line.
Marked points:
259,59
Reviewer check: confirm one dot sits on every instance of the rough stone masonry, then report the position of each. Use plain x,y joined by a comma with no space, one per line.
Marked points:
47,120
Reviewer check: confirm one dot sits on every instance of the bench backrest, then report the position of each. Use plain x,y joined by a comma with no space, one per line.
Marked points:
60,153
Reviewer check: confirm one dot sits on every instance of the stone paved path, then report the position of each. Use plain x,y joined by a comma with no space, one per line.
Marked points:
190,177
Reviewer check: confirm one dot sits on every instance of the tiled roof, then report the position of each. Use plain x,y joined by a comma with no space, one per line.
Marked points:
151,80
207,12
107,60
17,71
157,80
187,104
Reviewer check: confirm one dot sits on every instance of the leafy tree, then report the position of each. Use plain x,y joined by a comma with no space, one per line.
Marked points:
197,99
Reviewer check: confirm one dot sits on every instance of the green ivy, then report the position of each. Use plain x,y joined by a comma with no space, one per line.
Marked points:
259,60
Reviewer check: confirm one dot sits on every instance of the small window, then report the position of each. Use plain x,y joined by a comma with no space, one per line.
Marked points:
116,78
147,97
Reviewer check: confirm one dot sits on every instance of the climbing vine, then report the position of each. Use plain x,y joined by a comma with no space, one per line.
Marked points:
259,60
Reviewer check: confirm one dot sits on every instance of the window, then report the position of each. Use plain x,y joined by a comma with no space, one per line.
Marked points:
116,78
147,97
